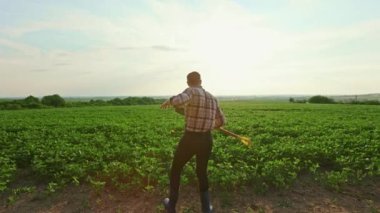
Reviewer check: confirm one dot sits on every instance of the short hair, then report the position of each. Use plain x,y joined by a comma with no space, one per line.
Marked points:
193,77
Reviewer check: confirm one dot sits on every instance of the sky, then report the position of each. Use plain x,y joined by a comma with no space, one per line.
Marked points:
146,48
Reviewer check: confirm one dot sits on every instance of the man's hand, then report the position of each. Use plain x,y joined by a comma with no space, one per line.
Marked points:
165,105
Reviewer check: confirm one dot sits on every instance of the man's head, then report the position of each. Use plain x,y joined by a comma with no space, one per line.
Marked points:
194,79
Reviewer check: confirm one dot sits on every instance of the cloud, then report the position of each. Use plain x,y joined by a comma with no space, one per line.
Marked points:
127,48
304,4
152,47
333,36
224,41
165,48
21,47
62,54
73,20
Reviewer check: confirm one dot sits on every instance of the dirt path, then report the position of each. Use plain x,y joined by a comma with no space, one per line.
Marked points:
304,196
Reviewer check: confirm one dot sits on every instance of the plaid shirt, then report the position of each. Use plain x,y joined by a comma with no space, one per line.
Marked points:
201,109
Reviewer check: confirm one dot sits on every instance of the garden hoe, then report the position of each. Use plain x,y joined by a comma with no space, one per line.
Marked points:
245,140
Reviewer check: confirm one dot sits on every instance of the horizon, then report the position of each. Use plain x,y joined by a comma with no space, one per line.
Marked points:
218,96
146,48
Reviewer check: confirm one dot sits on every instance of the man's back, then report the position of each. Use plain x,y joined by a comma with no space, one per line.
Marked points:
201,109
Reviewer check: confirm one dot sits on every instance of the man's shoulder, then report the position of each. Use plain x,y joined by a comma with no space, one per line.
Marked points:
200,91
192,90
188,90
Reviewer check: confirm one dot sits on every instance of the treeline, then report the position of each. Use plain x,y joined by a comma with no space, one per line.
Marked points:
56,100
319,99
116,102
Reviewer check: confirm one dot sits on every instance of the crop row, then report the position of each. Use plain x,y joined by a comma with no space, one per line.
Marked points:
132,147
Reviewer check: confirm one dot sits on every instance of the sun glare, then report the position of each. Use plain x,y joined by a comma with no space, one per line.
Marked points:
228,46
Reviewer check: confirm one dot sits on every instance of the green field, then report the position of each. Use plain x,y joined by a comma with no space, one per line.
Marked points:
131,147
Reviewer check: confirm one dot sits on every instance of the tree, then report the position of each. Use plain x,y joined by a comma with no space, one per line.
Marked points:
319,99
31,102
53,100
132,101
116,101
291,100
97,102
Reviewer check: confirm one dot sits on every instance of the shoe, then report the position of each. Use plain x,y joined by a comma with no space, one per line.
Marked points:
168,207
205,201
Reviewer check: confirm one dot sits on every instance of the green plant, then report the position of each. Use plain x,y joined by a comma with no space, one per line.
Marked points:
131,147
7,168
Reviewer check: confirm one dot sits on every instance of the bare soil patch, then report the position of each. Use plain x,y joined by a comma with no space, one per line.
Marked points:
303,196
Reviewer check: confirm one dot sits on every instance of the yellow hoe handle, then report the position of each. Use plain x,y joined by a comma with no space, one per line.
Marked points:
245,140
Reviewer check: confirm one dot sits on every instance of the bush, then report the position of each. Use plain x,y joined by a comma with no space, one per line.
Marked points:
300,101
133,101
31,102
321,100
97,102
31,99
53,100
13,106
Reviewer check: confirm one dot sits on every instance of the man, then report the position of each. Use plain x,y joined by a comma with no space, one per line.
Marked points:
202,114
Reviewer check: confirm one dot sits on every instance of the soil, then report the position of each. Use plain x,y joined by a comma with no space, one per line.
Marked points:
304,196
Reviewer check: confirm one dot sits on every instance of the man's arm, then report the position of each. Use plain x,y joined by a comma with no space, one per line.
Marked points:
178,100
181,99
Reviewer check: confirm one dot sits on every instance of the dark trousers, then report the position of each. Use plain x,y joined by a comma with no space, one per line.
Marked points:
191,143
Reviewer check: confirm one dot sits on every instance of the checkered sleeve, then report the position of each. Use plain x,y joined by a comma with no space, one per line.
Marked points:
182,98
